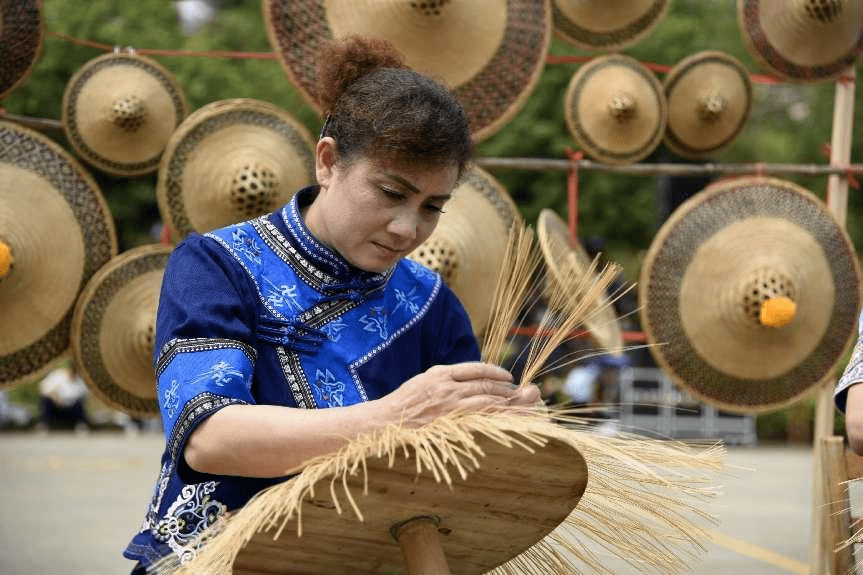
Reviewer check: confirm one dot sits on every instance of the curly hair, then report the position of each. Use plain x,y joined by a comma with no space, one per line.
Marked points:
376,106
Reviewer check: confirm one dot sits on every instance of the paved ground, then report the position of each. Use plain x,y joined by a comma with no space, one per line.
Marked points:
69,504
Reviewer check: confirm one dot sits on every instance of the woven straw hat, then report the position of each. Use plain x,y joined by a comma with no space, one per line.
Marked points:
113,329
615,109
803,40
232,160
709,96
119,111
711,268
21,37
604,25
490,53
559,254
470,241
58,231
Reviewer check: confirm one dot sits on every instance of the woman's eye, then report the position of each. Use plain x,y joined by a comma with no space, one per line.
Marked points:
434,209
392,194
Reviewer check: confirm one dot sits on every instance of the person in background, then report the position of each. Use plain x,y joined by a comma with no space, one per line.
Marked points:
62,396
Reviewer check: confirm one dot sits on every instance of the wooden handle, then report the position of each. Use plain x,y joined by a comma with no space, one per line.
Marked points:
420,543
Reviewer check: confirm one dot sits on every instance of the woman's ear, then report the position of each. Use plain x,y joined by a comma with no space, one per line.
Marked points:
325,160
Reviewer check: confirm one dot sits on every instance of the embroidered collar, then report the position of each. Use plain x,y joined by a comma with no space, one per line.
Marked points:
328,260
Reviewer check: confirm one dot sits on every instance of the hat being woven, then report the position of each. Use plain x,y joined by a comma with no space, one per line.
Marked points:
803,40
615,109
470,241
21,37
490,53
119,110
711,267
232,160
709,96
604,25
113,329
59,232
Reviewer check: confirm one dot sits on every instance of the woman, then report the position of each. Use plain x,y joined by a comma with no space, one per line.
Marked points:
262,324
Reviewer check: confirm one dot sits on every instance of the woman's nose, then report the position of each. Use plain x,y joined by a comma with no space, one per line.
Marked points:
404,225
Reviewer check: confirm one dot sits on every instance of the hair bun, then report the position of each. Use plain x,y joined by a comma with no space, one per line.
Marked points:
343,62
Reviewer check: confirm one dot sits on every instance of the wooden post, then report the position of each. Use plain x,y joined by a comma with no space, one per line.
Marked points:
837,203
420,543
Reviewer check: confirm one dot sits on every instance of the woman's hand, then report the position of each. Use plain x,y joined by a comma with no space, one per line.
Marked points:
465,386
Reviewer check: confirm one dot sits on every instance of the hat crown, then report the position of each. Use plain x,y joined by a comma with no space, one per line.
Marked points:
429,8
765,284
825,11
439,255
5,260
254,189
128,113
622,107
711,105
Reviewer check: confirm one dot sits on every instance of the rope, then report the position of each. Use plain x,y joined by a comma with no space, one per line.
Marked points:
572,192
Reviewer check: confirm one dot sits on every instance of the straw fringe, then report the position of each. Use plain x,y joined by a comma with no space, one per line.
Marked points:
643,502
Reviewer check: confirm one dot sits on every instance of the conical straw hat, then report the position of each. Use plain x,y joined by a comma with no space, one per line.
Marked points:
113,329
470,241
711,267
803,40
709,96
119,111
615,109
560,256
490,53
232,160
21,37
59,232
501,492
606,24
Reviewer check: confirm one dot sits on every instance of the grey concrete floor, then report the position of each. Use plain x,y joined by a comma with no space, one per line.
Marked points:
70,503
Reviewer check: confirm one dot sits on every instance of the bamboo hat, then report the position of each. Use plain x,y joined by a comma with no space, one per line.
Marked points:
470,242
232,160
715,271
566,261
803,40
119,111
709,96
21,36
490,53
56,231
615,109
113,329
603,25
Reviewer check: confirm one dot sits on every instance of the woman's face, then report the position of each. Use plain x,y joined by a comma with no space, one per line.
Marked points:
374,212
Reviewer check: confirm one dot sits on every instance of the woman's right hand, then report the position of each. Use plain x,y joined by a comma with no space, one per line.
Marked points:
465,386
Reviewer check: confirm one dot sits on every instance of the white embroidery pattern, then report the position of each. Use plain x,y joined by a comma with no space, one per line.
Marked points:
172,398
408,300
191,514
334,328
332,391
282,295
220,373
376,320
246,245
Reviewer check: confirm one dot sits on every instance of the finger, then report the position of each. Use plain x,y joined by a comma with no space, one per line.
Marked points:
526,395
478,370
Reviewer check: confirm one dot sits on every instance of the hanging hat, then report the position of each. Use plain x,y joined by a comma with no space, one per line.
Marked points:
21,36
230,161
560,254
113,329
714,271
470,242
490,53
57,231
709,95
119,111
602,25
615,109
803,40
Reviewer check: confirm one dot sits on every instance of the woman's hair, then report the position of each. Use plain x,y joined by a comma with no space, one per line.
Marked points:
377,107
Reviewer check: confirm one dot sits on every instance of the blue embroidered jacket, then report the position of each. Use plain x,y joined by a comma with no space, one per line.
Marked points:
262,313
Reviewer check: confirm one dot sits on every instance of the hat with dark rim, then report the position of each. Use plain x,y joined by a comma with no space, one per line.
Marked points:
21,36
59,232
560,254
230,161
490,53
603,25
119,110
803,40
470,242
709,96
708,273
615,109
113,329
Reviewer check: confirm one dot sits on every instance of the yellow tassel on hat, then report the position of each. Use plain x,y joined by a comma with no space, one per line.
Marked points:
777,312
5,259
